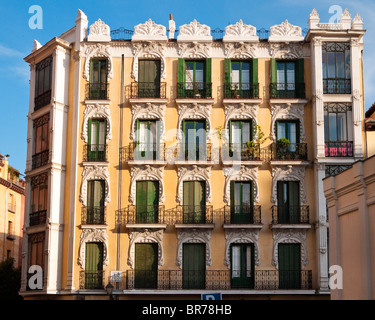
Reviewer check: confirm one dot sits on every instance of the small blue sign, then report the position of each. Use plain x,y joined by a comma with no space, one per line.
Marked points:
211,296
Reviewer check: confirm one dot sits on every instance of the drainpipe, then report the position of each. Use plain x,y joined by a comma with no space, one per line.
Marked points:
5,217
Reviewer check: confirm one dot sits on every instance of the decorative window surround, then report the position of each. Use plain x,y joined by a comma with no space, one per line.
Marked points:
192,173
240,32
190,109
92,234
193,236
149,31
96,172
148,50
288,173
194,50
240,50
97,110
293,50
241,236
97,50
246,173
289,236
285,32
99,32
150,110
194,31
286,111
145,236
146,172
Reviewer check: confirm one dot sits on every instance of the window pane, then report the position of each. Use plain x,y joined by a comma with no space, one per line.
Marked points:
290,75
340,64
326,135
347,64
102,130
235,72
95,71
246,194
349,125
94,128
341,127
236,262
199,72
236,132
280,75
281,130
248,261
245,72
143,132
331,65
324,62
245,132
292,132
38,140
332,127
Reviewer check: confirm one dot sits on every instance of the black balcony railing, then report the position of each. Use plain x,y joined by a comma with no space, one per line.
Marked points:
339,149
143,152
40,159
91,279
194,152
244,90
42,100
195,90
95,152
37,218
148,90
337,86
97,91
287,90
241,151
93,215
192,214
295,151
142,214
217,280
242,214
290,214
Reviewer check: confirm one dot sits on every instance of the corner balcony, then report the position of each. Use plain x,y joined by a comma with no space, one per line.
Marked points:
337,86
97,91
37,218
341,149
39,159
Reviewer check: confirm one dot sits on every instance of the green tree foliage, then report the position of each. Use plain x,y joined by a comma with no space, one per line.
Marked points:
10,280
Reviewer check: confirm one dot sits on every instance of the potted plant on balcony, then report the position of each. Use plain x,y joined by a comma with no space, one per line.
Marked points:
252,146
282,146
235,93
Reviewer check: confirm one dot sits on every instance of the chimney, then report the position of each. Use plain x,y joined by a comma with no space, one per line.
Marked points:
171,27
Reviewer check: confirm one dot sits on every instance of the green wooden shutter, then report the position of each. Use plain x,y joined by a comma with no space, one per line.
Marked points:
254,78
146,265
300,78
193,266
181,78
289,258
93,265
227,77
293,197
208,79
273,71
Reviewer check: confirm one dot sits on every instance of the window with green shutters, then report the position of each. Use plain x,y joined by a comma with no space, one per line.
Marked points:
288,130
242,265
193,265
194,145
288,204
147,144
96,148
146,265
149,78
194,202
194,78
240,137
242,201
98,79
95,202
94,265
289,259
287,79
241,79
147,201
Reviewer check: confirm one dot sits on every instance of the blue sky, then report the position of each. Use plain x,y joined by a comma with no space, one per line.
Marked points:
16,39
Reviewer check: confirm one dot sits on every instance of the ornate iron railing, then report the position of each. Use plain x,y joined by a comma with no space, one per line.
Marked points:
243,90
143,151
295,151
192,214
287,90
290,214
40,159
37,217
121,34
337,86
148,90
195,90
93,215
242,214
216,280
42,100
241,151
142,214
339,149
193,152
95,152
91,279
97,91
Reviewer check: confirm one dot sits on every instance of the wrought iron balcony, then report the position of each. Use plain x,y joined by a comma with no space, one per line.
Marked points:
42,100
193,214
337,86
287,90
339,148
194,152
93,215
97,91
95,152
241,152
91,279
194,90
137,151
37,217
289,214
40,159
242,214
148,90
216,280
244,90
295,151
142,214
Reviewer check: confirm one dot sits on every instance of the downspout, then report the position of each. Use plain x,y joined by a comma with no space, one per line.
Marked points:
5,216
